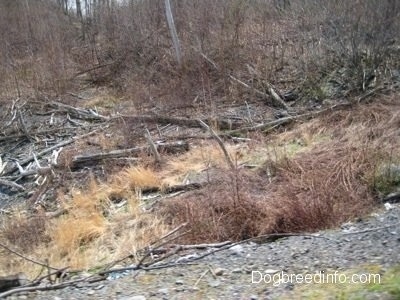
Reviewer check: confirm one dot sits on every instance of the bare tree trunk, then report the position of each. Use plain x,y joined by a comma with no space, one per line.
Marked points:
78,9
80,16
172,28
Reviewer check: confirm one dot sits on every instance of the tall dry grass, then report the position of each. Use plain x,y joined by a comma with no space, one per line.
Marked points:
104,221
330,183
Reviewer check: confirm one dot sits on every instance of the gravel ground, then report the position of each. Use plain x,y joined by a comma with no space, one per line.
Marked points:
228,274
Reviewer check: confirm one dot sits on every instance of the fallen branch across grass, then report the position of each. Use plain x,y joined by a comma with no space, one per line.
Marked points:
220,143
26,258
155,263
223,124
90,159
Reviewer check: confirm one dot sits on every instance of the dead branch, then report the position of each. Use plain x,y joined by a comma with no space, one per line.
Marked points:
42,288
22,136
26,258
93,69
78,112
58,273
163,120
152,146
220,143
274,95
22,124
174,147
48,150
285,120
204,246
11,184
55,214
148,251
174,188
271,91
372,229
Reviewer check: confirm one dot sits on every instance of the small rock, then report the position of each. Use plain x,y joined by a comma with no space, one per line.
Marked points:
214,283
289,286
219,271
271,271
138,297
388,206
247,269
253,297
237,270
90,292
179,282
237,249
163,291
99,287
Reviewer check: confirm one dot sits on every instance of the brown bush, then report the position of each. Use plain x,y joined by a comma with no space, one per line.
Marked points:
26,233
231,209
329,184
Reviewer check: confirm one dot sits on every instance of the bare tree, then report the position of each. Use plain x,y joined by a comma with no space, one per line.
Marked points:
172,29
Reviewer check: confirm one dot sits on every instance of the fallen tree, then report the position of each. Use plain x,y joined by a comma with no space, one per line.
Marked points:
90,159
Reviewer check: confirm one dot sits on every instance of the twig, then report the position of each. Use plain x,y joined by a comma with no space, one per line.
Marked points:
23,125
285,120
271,92
371,229
92,69
220,143
270,88
151,249
48,150
11,184
201,277
38,280
203,246
42,288
171,232
26,258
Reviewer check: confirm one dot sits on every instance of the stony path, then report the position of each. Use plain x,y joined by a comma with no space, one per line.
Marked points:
228,274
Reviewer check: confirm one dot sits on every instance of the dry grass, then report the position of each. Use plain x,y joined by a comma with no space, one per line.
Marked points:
24,233
230,208
95,230
197,160
329,177
330,183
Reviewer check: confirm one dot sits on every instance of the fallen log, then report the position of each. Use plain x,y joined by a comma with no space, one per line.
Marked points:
90,159
223,124
11,281
174,188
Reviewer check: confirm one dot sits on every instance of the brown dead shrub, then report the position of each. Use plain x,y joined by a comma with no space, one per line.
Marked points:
26,233
230,209
321,189
331,183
